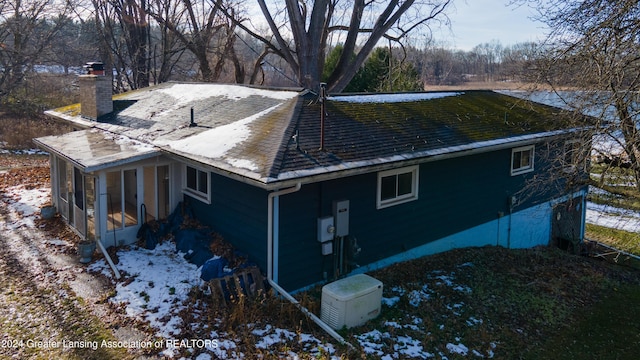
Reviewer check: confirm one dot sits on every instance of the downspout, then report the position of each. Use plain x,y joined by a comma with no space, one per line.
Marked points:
270,260
512,202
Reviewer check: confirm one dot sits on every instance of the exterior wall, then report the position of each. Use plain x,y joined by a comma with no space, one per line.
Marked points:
238,212
523,229
461,202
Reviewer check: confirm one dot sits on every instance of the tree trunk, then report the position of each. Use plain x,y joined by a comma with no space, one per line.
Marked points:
631,138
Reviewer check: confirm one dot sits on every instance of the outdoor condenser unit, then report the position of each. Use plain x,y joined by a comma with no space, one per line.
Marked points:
351,301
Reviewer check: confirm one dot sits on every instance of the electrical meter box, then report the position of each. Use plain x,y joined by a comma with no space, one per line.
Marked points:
326,229
351,301
341,214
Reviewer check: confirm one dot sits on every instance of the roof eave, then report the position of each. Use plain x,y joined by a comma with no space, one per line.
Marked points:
74,120
89,168
352,168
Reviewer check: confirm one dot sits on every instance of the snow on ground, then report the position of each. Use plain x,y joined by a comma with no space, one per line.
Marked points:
613,217
407,334
21,152
154,287
23,205
156,284
26,203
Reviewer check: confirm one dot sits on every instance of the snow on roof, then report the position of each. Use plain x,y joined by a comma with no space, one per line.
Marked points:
186,93
214,143
251,132
392,98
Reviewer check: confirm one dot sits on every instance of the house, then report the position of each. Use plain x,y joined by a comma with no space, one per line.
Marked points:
314,187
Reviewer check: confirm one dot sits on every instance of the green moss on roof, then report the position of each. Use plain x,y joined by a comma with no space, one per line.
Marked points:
475,115
70,110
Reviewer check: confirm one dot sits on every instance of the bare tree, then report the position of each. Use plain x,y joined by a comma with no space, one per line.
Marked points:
301,30
124,29
594,47
489,55
205,31
26,30
518,61
167,49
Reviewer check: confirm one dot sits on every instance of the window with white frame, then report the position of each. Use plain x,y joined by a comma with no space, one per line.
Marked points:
397,186
522,160
196,183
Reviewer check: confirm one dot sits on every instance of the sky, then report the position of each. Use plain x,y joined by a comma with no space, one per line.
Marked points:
474,22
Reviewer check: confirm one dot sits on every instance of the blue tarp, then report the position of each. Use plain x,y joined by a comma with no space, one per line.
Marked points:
194,242
214,268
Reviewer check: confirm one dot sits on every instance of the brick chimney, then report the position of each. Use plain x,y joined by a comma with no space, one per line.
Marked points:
95,92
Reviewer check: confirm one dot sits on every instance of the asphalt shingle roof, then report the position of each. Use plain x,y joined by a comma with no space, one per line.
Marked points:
269,135
361,131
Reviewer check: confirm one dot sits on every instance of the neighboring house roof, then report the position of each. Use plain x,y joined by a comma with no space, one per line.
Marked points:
271,136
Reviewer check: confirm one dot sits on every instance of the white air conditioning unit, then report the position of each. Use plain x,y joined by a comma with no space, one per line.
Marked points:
351,301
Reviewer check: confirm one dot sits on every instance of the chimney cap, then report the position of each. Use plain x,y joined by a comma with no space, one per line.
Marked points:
94,68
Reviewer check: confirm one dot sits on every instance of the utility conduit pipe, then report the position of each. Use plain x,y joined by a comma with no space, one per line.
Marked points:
270,259
106,256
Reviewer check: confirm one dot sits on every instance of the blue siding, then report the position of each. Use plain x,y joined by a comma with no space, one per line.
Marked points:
455,195
523,229
462,202
238,212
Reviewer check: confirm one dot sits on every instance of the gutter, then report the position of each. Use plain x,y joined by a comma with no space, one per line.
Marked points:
352,168
270,261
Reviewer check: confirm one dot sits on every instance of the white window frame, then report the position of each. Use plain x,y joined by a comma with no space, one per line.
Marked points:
523,169
202,196
398,199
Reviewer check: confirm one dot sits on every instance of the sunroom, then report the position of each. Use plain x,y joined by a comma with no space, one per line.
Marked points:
106,186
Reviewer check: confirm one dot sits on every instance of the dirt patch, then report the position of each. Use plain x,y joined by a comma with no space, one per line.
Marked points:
32,173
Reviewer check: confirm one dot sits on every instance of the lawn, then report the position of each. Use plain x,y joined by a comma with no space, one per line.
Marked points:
470,303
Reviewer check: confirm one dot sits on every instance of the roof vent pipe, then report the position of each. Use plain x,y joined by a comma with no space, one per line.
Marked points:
192,123
323,98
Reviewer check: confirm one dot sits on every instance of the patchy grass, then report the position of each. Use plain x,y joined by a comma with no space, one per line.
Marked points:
467,303
620,239
614,186
604,331
612,175
506,302
625,197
